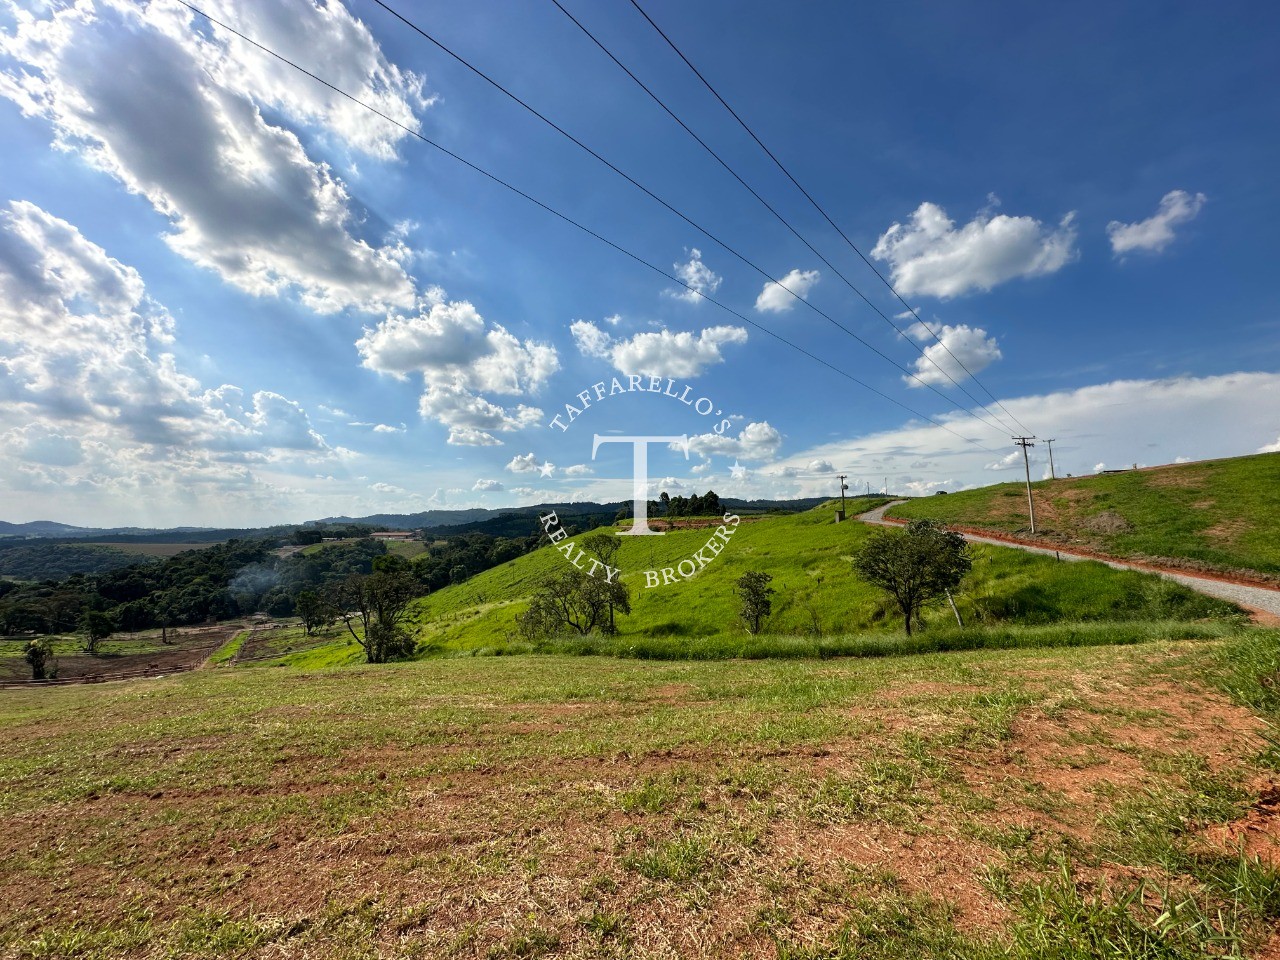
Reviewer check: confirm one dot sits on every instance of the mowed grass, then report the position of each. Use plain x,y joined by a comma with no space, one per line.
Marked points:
1020,804
1223,514
818,596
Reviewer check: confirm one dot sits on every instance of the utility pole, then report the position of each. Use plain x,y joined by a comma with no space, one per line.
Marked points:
1053,475
886,486
843,487
1025,443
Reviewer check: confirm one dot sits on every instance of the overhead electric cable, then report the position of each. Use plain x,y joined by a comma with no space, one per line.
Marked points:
778,216
569,220
817,206
723,244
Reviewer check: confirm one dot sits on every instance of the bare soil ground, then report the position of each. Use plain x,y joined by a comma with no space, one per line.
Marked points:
586,808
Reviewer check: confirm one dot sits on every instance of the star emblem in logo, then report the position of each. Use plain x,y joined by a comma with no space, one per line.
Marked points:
547,469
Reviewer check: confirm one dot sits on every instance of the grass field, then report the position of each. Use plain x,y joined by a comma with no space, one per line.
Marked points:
1220,514
808,556
1019,804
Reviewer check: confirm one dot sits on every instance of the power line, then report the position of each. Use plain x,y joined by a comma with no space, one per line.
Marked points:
569,220
768,206
817,206
687,219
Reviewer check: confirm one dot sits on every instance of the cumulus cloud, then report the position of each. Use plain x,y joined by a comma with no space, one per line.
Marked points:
821,466
699,279
756,441
1156,232
775,298
526,463
185,126
90,397
460,356
1270,447
578,470
930,255
962,347
1007,462
488,486
660,353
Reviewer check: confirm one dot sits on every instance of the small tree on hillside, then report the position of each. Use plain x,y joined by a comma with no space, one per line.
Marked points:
571,599
755,593
604,547
377,602
915,565
97,626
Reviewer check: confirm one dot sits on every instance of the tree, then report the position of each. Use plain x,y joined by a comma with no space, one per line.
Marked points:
570,598
39,654
378,602
316,612
915,565
754,592
604,547
97,627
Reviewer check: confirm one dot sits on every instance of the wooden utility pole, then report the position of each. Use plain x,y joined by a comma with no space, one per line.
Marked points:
1053,475
843,487
1025,443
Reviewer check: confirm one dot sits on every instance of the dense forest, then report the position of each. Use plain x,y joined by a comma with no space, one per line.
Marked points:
42,560
239,577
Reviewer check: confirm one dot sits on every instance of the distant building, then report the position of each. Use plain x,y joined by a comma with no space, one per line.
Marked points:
393,535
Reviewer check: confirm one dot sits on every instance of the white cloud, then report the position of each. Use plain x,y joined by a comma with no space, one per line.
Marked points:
1099,467
387,428
1007,462
756,441
928,255
42,444
93,406
578,470
698,277
1155,233
525,463
821,466
184,127
1270,447
387,488
660,353
942,362
774,297
488,486
460,356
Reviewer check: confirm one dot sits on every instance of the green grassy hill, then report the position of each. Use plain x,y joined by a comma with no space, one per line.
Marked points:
1219,514
818,595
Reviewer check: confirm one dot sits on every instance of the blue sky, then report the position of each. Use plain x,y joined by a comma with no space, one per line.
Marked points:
229,296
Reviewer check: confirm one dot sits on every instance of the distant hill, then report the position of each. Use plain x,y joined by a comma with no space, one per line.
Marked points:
52,530
43,528
1219,515
433,519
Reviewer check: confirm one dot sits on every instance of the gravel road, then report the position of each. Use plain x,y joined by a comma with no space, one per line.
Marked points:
1256,598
